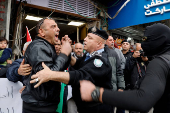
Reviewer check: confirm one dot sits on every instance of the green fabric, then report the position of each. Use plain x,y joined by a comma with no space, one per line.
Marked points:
1,51
4,63
60,105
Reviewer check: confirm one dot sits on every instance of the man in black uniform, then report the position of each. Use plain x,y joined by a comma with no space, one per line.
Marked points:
45,98
93,66
154,90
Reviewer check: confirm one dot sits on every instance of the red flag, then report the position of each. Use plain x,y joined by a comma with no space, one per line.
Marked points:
28,35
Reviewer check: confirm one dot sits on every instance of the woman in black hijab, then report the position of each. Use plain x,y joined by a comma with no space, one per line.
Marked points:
154,90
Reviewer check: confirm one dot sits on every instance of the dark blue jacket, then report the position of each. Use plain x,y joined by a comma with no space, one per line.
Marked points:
7,53
12,72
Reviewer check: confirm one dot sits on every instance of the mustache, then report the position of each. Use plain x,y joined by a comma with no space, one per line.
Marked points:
112,44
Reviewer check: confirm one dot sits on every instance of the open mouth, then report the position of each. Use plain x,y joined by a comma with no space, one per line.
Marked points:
84,44
56,37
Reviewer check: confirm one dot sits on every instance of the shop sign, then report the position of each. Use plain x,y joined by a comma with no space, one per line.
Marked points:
158,10
139,12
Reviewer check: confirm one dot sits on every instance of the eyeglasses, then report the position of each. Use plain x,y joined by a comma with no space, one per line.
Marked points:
144,38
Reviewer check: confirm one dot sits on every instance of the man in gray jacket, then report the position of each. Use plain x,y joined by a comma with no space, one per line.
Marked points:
118,76
117,62
117,81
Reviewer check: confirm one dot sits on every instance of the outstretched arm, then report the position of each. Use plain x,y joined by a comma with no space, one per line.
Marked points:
17,70
46,75
138,100
86,88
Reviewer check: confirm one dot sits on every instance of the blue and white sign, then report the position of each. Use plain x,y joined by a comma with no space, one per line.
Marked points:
139,12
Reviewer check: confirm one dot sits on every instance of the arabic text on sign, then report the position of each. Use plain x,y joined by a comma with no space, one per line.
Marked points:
157,11
156,3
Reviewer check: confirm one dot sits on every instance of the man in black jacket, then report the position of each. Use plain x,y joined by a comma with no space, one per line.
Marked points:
127,54
136,66
93,66
45,98
136,69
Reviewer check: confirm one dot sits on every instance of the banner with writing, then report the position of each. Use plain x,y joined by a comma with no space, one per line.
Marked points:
10,98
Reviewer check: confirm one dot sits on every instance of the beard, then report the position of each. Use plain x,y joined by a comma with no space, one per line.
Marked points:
79,55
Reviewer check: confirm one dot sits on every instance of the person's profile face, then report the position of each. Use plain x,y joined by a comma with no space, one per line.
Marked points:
50,30
110,42
90,42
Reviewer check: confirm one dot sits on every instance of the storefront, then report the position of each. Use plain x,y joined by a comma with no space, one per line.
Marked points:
73,17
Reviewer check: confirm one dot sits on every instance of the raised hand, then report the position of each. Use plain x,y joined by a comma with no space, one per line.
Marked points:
66,46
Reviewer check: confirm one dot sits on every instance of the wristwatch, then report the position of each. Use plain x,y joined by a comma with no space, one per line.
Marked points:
96,94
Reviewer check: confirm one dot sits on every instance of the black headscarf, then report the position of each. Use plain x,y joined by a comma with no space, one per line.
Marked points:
158,39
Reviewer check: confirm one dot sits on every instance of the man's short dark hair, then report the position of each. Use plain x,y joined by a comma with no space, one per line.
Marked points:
40,22
125,41
3,39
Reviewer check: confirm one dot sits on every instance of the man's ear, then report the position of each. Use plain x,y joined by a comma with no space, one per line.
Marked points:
99,43
41,32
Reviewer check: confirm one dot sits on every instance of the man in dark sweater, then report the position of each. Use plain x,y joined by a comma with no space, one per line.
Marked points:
93,66
45,98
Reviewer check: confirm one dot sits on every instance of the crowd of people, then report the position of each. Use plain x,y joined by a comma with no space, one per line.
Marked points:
99,80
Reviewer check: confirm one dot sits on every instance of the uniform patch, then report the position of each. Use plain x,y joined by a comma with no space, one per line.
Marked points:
98,63
142,64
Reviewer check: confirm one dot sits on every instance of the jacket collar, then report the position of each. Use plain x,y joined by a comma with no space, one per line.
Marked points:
37,37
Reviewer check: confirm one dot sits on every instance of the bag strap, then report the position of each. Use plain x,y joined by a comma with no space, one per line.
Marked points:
139,70
166,58
140,77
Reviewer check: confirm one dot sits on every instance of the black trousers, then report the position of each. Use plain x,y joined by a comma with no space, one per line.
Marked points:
28,111
3,71
102,108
